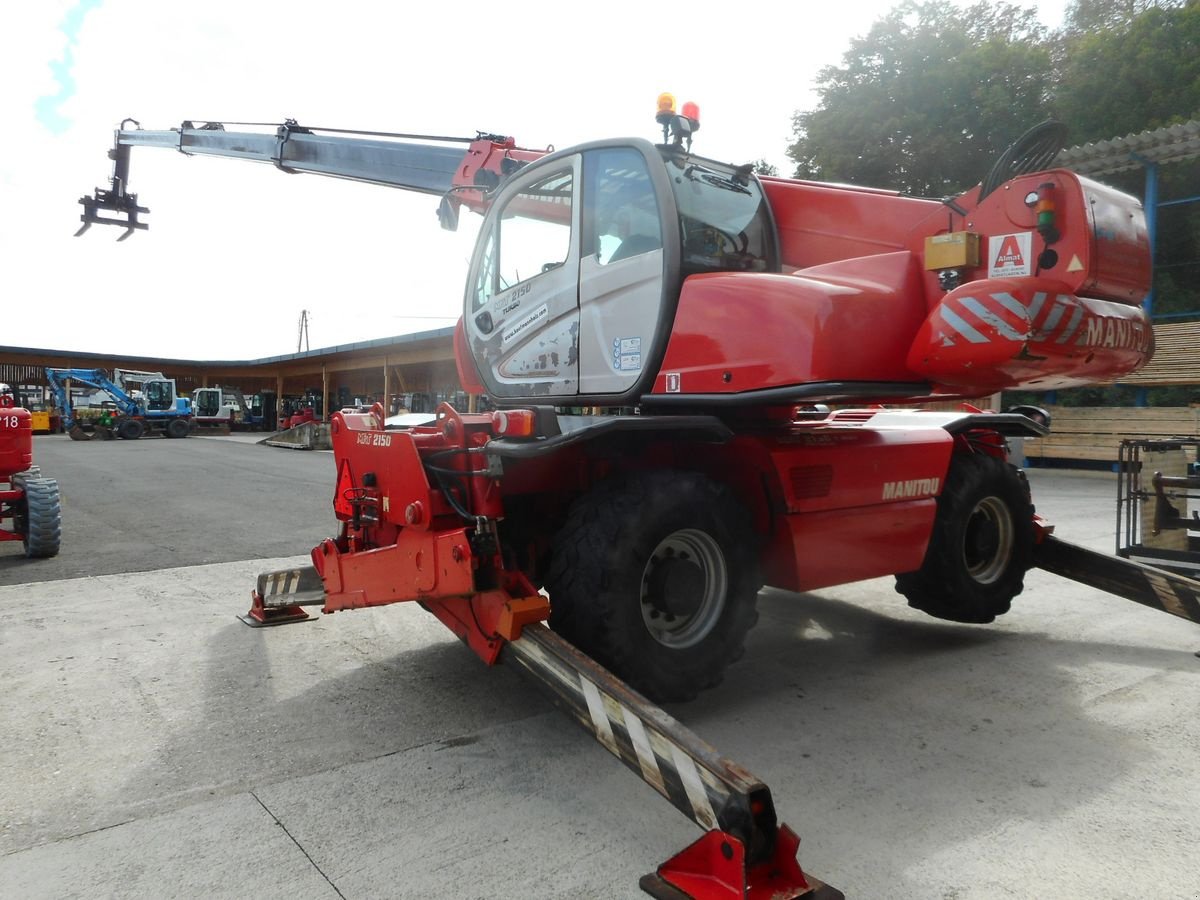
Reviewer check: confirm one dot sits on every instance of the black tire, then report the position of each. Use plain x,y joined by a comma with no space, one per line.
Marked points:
130,429
655,576
981,545
178,428
39,518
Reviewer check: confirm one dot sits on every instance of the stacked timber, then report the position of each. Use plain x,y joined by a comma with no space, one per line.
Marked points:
1176,357
1094,434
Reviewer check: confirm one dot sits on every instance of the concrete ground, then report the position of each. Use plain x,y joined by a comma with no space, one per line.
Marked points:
152,746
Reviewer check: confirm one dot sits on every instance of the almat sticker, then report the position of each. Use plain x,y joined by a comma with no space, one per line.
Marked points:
1010,254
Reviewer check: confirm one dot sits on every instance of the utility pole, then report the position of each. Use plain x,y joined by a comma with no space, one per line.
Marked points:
302,339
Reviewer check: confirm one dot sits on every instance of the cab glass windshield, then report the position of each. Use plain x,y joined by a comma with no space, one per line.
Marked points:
725,224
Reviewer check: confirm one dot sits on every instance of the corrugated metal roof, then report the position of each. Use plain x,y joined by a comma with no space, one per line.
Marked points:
437,336
1174,143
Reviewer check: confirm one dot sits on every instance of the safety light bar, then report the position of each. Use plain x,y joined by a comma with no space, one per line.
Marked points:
677,127
1045,210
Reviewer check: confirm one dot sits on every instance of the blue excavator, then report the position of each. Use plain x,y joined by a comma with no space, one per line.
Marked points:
155,408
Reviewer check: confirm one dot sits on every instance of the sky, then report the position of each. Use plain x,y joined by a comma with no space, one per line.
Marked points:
236,251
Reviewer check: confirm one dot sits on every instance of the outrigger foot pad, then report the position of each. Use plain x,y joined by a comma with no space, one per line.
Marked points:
714,868
280,597
260,616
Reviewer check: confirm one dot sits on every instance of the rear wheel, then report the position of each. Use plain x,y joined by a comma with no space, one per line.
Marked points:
39,517
656,576
178,428
981,545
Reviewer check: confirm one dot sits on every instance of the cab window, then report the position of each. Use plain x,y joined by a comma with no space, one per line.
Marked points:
532,235
724,219
622,210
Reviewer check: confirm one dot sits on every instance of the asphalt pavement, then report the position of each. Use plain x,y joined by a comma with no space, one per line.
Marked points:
154,746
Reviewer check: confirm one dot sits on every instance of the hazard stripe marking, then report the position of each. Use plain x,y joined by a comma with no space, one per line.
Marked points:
1035,307
1158,589
1166,595
600,723
960,325
991,318
708,789
1015,306
645,755
288,582
1056,313
694,786
1076,318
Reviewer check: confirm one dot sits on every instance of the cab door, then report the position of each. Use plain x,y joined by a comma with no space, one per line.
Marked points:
622,308
521,310
160,395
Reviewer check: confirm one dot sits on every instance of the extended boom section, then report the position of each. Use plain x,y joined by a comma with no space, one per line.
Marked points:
459,169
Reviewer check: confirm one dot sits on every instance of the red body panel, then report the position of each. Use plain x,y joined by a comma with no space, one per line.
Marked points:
822,223
16,455
817,550
16,440
1103,249
848,321
1004,333
858,502
1041,309
846,498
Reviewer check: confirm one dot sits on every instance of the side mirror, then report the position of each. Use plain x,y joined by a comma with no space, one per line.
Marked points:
448,214
1036,413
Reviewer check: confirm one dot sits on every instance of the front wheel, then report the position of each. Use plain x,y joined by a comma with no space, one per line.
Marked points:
130,429
981,545
39,517
656,576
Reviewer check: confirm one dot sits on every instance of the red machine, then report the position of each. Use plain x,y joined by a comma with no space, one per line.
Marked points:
709,315
29,503
306,414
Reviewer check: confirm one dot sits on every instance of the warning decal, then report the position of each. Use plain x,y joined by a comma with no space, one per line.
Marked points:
1010,254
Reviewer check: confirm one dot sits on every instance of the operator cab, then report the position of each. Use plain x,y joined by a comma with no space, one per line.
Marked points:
580,259
159,395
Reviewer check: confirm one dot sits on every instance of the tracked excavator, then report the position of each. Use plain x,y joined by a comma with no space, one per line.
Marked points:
747,349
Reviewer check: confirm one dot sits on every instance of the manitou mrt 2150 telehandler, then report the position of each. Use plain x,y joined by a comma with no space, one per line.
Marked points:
708,316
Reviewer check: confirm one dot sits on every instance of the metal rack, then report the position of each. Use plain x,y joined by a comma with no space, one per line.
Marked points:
1158,503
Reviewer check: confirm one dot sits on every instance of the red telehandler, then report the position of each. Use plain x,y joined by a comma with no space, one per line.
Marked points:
30,503
705,318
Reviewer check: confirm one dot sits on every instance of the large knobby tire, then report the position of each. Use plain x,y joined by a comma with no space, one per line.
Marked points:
39,517
981,545
130,429
178,428
655,576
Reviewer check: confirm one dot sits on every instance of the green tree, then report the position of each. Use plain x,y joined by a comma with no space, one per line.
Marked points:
1138,70
927,99
1085,16
1129,66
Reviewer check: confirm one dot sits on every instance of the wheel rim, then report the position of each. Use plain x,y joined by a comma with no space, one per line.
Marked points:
988,540
684,586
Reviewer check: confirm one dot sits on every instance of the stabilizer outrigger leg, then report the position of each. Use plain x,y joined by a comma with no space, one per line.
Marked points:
744,854
1148,585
